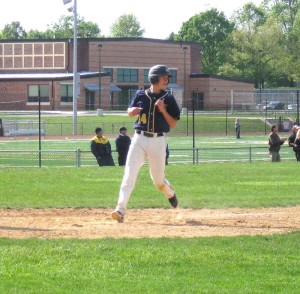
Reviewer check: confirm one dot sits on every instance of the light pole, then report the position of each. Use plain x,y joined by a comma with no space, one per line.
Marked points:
184,85
100,48
75,74
184,70
260,73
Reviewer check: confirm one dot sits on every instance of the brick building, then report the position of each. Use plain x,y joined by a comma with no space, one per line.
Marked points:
41,70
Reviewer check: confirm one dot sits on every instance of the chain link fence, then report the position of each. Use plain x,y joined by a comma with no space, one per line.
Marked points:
185,126
79,158
259,101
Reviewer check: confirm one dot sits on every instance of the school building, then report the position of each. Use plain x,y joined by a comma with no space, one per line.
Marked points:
109,71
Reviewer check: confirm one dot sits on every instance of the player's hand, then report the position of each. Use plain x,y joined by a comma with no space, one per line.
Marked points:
133,111
160,104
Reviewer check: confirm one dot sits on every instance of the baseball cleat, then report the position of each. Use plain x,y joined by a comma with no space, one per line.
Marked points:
118,216
173,200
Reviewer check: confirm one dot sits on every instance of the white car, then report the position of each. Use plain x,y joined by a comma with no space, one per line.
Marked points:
274,105
292,106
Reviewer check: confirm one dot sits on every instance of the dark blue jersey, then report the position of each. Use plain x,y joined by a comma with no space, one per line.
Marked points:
150,119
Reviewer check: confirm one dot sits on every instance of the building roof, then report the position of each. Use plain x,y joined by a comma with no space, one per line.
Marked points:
48,76
207,76
103,40
95,87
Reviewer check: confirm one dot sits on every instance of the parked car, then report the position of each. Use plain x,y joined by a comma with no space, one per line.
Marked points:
274,105
292,106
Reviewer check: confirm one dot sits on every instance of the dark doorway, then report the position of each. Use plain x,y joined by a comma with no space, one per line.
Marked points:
90,100
125,96
198,101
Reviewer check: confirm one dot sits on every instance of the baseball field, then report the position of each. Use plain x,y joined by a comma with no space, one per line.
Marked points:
236,231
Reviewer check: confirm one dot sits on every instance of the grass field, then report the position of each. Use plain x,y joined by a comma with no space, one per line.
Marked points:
220,123
257,264
203,265
207,185
71,152
245,264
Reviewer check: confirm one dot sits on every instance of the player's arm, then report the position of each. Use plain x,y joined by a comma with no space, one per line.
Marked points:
169,119
94,148
133,111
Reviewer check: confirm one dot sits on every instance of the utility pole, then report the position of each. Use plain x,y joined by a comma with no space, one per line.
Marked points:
100,48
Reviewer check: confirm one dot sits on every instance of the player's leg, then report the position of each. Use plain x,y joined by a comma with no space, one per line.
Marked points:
157,156
135,160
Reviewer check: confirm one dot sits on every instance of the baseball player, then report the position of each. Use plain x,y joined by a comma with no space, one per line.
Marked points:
157,112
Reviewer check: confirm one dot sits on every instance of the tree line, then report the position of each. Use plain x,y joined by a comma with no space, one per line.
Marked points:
257,43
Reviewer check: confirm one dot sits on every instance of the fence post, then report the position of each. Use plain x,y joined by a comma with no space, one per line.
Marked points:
232,102
78,157
250,154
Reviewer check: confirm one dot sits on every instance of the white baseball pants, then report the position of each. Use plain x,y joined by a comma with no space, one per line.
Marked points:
143,148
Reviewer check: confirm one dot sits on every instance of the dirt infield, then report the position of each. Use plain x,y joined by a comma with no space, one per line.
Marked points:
152,223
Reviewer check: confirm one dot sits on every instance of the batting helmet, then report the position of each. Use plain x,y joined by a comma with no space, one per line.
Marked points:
156,71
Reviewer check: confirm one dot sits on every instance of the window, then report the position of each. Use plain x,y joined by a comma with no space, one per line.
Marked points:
173,72
127,75
66,93
38,92
146,72
111,71
125,96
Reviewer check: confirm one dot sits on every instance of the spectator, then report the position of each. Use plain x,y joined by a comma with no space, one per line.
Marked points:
297,145
275,143
237,128
122,145
101,149
292,138
167,154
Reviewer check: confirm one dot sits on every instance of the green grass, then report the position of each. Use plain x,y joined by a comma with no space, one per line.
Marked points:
173,141
62,152
246,264
110,122
198,186
257,264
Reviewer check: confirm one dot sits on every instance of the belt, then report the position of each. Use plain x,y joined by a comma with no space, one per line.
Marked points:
150,135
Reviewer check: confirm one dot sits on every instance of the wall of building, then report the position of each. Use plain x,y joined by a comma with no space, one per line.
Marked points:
57,56
217,91
30,56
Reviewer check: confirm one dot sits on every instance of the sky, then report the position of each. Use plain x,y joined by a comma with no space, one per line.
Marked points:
159,18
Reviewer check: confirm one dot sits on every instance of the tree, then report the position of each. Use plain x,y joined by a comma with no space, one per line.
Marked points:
211,29
35,34
256,55
126,26
286,12
65,28
249,17
13,31
247,45
171,37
